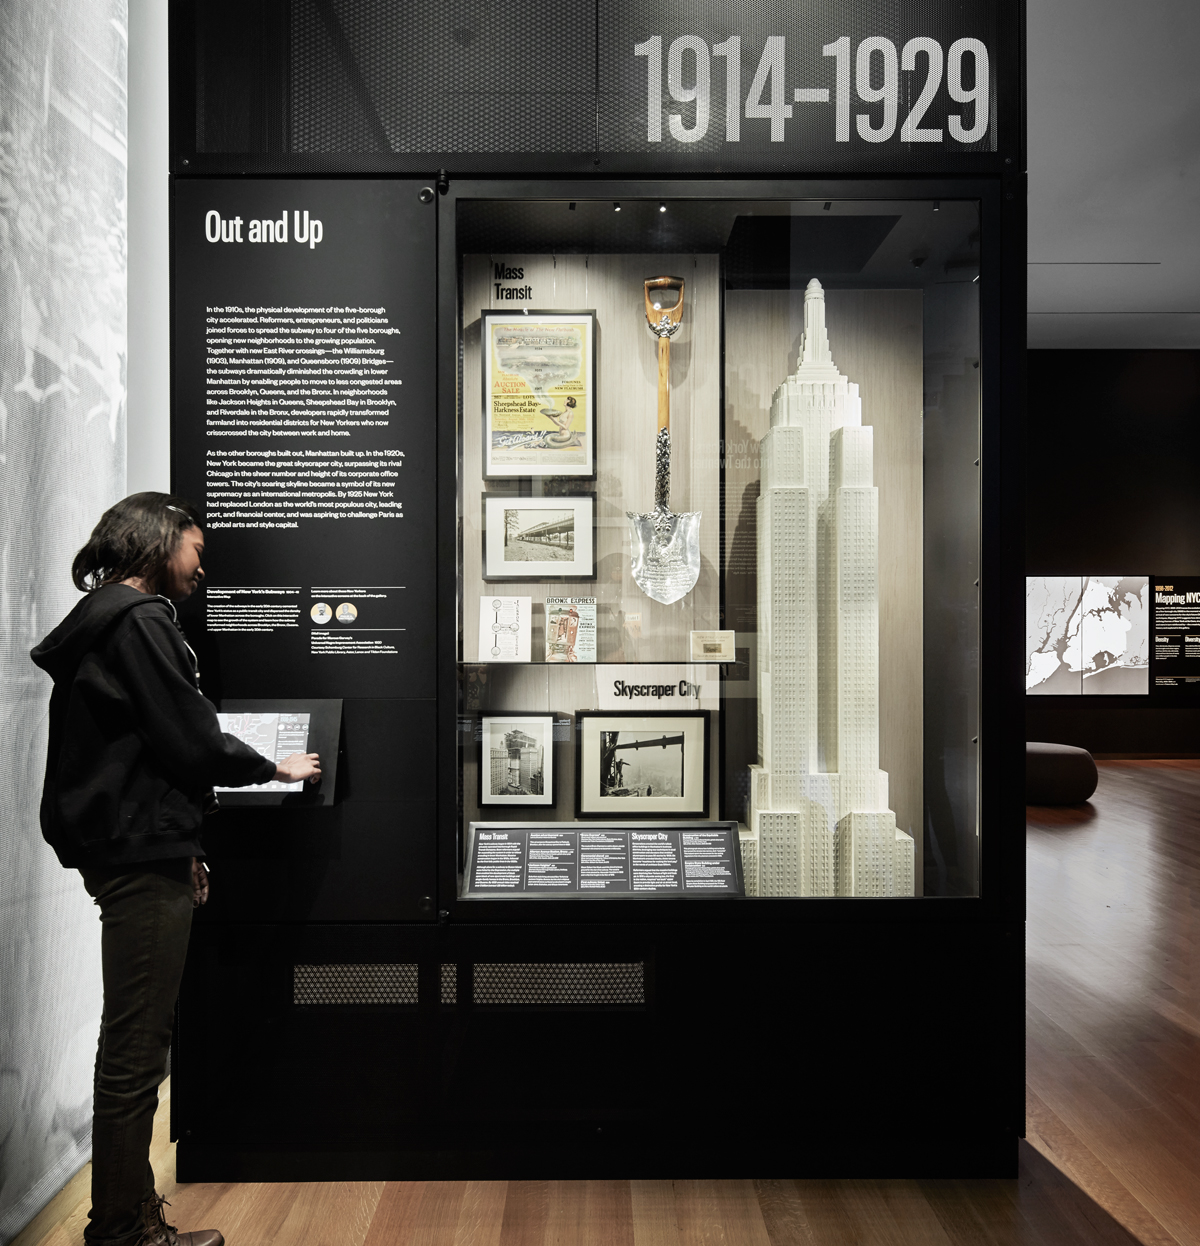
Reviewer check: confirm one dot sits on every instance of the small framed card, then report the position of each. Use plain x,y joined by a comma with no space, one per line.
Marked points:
570,629
516,759
539,538
631,765
505,629
539,393
713,647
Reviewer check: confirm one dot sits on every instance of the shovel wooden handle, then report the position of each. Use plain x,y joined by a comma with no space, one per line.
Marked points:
664,384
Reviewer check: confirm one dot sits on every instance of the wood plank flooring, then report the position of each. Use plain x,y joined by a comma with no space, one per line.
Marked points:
1113,1014
1113,1156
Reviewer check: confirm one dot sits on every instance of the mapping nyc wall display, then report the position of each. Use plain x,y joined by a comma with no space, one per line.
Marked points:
632,765
821,829
1088,635
516,759
563,860
1175,620
303,423
543,538
539,392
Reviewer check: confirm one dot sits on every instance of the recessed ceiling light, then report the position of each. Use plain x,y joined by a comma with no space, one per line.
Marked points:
616,207
662,207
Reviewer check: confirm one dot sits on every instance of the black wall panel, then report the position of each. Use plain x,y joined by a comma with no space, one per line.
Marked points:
728,1069
1113,455
291,359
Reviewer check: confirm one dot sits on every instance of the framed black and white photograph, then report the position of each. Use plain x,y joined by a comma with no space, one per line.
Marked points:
539,538
539,393
516,759
631,765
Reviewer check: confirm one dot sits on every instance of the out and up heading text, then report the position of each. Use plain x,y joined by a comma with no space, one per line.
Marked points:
305,229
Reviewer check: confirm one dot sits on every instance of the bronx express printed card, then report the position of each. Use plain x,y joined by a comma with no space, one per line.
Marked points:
570,629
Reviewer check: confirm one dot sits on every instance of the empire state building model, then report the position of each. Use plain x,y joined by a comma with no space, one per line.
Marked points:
819,818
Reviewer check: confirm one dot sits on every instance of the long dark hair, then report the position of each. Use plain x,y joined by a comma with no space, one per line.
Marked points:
138,537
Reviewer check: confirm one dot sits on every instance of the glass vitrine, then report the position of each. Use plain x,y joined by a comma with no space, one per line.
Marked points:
718,544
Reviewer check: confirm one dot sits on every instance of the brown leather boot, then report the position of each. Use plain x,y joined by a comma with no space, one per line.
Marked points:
157,1232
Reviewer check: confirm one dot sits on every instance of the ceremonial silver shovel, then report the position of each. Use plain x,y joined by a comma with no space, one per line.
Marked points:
665,547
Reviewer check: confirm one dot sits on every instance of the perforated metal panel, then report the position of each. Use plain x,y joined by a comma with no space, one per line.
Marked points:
354,984
594,984
449,984
460,76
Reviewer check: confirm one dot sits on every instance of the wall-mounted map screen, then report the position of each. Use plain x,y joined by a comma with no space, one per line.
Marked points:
277,729
274,735
1087,635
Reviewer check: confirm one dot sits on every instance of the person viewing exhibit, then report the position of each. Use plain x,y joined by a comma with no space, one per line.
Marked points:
135,751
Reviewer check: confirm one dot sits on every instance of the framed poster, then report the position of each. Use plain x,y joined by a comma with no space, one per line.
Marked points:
539,538
539,393
631,765
516,759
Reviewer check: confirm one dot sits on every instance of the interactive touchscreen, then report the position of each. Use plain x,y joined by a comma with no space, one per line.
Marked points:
274,735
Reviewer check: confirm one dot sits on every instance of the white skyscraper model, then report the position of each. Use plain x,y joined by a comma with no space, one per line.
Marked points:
819,818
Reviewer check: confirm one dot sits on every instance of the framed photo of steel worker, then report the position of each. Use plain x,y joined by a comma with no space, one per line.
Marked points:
539,393
516,759
634,765
539,538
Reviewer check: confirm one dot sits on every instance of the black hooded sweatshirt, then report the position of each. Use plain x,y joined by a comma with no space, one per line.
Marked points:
134,746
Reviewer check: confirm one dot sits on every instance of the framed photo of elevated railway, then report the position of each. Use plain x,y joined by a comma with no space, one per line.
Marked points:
637,765
539,538
539,393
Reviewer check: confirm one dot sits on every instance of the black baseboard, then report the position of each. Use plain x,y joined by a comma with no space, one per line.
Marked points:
1098,725
954,1156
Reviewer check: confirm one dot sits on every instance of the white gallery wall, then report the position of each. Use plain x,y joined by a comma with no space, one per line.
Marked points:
149,372
62,462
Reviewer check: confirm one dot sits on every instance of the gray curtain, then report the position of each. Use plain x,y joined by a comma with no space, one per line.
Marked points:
62,462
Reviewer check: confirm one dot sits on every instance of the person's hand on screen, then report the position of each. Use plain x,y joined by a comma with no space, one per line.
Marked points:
199,884
298,767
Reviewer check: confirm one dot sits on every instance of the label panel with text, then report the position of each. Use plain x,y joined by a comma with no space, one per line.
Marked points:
303,424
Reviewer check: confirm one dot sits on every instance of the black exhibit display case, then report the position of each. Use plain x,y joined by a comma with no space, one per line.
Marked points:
612,411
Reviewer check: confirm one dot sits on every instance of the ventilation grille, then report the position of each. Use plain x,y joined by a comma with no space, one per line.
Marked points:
580,984
354,984
449,984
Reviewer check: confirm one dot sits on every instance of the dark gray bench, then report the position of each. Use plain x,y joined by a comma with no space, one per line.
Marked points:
1058,774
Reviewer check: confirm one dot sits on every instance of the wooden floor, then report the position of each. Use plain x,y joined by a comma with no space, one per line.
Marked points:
1113,1155
1113,1028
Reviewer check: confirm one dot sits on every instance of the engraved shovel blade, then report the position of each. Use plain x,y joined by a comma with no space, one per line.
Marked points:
665,553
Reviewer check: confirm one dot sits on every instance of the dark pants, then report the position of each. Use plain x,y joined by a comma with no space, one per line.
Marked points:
145,919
